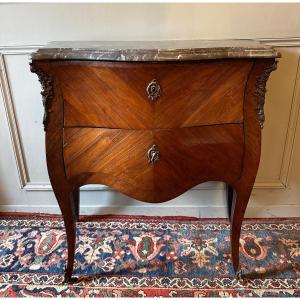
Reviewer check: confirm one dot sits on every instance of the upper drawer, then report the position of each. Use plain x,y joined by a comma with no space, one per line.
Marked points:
116,95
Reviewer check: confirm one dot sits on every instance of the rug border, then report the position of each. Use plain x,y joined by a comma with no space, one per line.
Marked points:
86,218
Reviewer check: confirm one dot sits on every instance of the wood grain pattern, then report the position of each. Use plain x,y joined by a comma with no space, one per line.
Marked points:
207,93
62,188
113,95
188,156
252,135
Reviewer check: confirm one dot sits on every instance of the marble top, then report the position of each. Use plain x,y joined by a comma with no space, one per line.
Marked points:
172,50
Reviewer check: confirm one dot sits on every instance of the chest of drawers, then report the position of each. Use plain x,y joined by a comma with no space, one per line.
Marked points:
153,119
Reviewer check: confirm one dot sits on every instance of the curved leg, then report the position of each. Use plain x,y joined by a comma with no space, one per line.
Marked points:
76,199
71,239
229,192
63,191
66,203
64,195
253,120
242,195
62,188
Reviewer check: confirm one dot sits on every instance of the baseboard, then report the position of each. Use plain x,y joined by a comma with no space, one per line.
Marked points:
156,210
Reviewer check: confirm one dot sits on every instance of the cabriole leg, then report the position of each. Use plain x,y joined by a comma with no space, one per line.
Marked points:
76,199
229,194
65,200
239,205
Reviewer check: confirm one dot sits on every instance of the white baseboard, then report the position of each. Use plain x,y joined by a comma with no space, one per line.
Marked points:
157,210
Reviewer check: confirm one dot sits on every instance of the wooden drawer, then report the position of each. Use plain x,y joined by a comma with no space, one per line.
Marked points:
188,156
114,95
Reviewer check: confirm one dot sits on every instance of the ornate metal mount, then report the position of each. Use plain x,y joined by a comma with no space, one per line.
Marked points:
153,90
153,155
261,90
47,91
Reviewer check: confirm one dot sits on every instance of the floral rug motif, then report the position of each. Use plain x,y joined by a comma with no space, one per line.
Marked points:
123,256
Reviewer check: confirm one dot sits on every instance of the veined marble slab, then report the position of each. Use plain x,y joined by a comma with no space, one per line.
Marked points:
173,50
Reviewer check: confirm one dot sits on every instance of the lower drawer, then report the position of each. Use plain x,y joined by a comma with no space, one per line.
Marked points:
185,157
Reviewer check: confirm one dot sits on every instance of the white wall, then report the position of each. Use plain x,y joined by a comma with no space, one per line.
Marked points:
40,23
24,182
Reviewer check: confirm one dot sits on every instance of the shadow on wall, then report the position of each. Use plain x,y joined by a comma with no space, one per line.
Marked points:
195,202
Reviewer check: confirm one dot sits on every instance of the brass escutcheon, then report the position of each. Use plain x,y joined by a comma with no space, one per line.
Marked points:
153,90
153,155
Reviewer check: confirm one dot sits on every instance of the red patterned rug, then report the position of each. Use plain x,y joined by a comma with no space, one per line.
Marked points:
149,256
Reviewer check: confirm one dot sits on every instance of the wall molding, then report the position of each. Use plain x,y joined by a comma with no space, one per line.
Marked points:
25,182
12,124
46,186
291,131
281,42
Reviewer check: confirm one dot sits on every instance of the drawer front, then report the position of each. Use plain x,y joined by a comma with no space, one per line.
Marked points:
152,95
153,165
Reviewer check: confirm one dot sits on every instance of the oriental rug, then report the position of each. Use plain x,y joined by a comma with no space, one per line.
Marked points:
124,256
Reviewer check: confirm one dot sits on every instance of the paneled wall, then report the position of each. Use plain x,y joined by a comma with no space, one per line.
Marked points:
24,184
